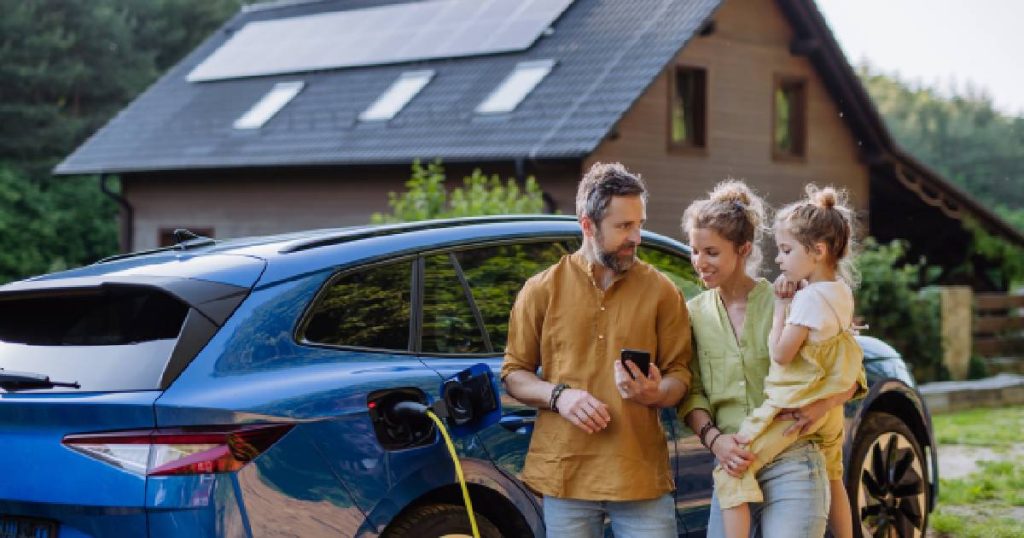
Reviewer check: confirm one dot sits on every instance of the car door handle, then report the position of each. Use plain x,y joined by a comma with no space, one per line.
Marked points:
519,423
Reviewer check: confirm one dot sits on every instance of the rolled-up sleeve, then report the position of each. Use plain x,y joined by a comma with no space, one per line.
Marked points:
674,349
522,351
695,398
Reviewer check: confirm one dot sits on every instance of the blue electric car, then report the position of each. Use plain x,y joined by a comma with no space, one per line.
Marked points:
237,388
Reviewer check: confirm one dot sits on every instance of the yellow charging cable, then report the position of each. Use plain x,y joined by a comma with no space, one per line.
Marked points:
458,471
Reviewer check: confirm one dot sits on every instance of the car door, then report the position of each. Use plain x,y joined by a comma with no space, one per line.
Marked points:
692,462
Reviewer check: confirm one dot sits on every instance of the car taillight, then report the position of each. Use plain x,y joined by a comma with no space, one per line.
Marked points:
189,451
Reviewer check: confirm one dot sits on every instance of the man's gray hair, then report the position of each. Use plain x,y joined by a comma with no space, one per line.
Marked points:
600,184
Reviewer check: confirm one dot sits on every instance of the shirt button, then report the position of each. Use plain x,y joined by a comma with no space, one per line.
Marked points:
600,336
602,309
743,383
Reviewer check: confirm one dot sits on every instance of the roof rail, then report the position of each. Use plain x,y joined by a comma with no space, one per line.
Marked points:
391,229
187,240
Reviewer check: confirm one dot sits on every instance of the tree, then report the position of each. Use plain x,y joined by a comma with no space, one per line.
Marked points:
426,196
961,136
65,69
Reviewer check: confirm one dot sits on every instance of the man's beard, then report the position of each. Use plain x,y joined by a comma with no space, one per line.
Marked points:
611,259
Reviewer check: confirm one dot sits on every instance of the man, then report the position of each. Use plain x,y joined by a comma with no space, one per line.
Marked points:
598,447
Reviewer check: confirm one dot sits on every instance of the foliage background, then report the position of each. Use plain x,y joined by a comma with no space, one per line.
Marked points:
66,67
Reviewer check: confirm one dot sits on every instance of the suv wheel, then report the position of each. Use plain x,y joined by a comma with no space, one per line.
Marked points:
439,520
888,485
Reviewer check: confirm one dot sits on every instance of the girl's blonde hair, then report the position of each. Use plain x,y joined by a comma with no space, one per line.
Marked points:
824,216
734,211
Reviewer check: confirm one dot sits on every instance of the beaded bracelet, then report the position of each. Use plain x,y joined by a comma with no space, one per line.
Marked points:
555,393
704,431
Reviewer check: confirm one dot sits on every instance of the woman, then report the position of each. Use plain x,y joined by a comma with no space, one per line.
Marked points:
731,322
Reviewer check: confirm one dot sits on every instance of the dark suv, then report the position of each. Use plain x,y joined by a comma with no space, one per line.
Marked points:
227,389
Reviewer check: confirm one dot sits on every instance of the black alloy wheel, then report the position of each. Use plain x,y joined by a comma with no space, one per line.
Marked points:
889,483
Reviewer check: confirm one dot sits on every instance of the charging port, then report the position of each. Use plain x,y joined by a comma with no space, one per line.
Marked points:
402,429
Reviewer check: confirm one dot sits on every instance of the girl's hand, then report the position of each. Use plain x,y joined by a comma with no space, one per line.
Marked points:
784,289
731,454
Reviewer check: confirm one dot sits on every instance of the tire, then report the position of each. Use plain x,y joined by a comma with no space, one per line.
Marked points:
437,520
888,482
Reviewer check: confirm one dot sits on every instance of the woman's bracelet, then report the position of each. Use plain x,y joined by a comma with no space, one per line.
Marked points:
702,435
711,445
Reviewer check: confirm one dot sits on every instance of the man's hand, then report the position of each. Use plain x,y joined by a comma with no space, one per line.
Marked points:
735,459
805,416
642,390
583,410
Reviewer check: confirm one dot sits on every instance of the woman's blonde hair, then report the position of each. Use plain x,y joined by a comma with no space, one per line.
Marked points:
734,211
824,216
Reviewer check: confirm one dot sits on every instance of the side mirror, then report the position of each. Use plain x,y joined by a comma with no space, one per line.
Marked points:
470,400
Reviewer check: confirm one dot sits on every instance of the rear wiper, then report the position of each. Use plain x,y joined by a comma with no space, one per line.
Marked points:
27,380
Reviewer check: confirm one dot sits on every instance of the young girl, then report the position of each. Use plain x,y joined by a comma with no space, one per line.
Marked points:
813,352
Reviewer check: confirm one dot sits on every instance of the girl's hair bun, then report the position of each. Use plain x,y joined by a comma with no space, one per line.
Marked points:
826,197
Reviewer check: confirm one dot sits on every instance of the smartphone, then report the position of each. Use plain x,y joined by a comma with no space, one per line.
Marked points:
640,358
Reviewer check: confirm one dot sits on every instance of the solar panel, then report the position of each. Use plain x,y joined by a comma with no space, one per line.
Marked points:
380,35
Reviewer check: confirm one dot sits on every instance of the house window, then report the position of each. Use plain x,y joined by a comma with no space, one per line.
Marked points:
166,235
269,105
516,86
790,118
688,108
392,101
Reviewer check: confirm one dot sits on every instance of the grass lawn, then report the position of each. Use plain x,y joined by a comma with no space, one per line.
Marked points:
990,501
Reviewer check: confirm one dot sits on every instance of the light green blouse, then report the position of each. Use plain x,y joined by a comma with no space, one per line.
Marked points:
728,372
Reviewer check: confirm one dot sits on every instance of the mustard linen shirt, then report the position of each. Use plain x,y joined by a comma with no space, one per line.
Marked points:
729,373
565,325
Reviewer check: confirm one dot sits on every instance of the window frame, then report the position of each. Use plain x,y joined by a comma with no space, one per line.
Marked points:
801,123
418,268
415,277
687,148
451,251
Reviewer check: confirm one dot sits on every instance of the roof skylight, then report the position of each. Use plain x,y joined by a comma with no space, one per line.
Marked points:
507,96
392,101
271,103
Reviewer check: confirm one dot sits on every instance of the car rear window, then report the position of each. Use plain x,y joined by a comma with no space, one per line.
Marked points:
108,338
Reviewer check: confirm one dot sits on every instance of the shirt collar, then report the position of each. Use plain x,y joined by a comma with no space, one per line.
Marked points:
581,261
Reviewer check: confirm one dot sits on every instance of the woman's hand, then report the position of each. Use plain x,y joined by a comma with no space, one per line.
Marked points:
731,454
805,416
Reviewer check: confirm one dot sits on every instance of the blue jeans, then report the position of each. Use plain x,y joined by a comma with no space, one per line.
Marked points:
574,518
796,497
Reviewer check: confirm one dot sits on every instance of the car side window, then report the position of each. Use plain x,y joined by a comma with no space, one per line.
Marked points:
449,324
497,273
675,266
368,308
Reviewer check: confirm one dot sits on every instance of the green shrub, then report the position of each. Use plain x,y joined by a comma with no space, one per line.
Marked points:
426,196
889,302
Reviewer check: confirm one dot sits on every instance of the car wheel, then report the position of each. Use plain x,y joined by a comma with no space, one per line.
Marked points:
888,484
439,520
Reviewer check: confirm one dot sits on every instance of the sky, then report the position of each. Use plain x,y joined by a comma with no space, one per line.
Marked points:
938,43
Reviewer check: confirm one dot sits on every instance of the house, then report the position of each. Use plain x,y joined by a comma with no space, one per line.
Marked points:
303,114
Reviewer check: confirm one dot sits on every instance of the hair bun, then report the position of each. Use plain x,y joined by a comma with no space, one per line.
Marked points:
826,197
732,191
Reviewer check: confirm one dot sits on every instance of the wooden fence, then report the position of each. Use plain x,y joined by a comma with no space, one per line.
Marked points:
998,327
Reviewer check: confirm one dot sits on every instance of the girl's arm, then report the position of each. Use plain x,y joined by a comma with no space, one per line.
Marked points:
784,340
